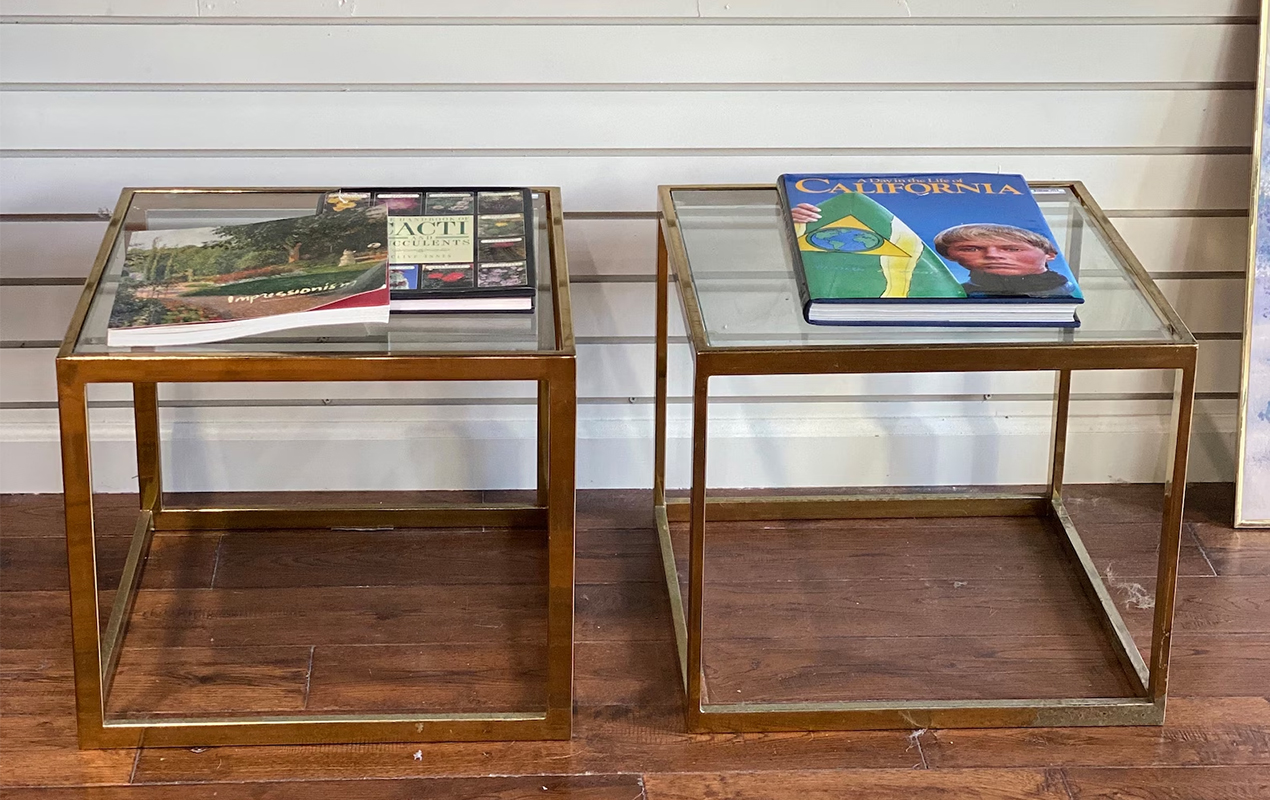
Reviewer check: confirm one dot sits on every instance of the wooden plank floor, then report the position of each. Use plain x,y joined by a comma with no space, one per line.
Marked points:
267,622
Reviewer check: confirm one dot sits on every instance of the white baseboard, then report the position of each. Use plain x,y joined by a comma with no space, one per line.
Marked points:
782,444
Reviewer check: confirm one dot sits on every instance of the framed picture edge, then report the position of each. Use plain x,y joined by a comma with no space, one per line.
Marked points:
1250,293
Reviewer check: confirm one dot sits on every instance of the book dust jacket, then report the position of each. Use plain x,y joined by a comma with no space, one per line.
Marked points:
436,239
977,237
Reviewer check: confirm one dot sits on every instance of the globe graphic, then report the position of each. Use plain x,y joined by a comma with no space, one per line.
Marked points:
845,240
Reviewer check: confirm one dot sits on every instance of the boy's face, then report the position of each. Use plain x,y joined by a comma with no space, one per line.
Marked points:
1000,256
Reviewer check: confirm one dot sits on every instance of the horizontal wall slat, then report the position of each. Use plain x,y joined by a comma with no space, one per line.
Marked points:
746,9
775,415
36,313
337,9
609,183
603,246
1208,306
611,247
619,369
48,249
627,247
1187,244
977,8
54,120
767,417
89,53
41,313
74,9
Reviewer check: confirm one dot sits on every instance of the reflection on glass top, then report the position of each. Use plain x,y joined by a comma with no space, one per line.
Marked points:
743,274
404,333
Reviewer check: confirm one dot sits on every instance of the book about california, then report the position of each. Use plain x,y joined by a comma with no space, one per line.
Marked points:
455,249
197,285
925,249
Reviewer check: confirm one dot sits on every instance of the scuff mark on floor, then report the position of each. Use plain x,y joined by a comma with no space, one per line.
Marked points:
1136,595
913,739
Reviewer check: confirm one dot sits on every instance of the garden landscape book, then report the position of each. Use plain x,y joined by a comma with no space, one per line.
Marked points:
196,285
925,249
455,249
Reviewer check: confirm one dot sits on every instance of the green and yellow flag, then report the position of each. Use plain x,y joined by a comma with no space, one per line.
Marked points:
858,249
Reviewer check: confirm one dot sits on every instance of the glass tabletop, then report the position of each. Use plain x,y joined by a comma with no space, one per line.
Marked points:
405,333
743,275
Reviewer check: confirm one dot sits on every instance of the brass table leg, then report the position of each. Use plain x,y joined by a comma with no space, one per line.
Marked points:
81,558
544,442
697,546
1171,534
562,397
659,404
1058,444
145,407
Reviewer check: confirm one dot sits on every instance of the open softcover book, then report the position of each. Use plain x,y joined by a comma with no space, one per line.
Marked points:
195,285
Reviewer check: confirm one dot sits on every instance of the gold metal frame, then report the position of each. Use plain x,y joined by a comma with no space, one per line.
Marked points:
554,370
1250,293
1145,707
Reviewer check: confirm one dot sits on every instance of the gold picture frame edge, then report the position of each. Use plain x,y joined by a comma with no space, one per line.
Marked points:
1245,360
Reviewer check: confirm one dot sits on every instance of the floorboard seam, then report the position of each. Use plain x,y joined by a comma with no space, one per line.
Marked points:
136,759
383,779
1067,787
1190,529
220,544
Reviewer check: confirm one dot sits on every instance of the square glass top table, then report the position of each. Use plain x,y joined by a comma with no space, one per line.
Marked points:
725,250
536,347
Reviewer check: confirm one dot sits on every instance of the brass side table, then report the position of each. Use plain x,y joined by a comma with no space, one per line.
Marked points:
411,348
723,247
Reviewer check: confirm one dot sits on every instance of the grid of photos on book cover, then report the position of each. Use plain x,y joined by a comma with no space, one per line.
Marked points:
500,258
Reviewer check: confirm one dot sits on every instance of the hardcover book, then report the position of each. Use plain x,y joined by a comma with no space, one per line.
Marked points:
925,249
455,249
197,285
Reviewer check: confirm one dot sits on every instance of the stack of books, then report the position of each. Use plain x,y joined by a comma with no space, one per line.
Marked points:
361,254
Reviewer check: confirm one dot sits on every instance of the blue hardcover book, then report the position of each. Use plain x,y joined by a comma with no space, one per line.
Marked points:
925,249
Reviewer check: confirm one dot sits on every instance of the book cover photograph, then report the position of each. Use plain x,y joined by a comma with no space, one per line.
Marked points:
195,285
925,249
455,249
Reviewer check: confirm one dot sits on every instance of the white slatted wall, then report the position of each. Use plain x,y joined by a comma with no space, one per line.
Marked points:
1149,103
